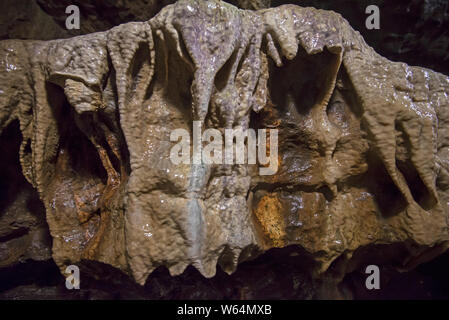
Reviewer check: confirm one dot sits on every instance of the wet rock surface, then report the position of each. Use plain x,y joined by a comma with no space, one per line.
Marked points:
362,158
414,31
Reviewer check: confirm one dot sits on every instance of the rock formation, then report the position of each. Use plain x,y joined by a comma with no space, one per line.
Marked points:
363,141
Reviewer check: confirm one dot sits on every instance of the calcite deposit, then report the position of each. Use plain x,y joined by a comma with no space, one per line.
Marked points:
363,141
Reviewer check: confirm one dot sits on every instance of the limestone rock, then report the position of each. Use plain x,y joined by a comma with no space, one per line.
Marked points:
363,142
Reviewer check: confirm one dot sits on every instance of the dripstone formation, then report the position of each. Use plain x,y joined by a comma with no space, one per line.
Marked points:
363,141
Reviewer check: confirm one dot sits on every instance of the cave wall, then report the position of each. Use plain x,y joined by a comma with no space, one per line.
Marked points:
61,101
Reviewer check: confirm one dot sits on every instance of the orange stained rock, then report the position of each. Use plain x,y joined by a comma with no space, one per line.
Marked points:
269,214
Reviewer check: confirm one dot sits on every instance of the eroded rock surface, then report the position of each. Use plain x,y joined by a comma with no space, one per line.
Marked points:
363,147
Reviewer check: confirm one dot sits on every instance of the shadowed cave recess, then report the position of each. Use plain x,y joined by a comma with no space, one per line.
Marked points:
85,175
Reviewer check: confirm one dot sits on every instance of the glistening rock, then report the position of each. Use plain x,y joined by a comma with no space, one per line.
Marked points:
363,147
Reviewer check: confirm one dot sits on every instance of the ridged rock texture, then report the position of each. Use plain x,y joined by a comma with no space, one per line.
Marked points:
363,142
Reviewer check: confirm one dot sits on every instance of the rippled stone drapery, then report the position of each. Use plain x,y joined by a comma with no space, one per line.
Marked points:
362,140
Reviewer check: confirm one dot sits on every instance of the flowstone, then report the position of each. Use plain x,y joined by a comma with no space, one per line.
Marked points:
363,141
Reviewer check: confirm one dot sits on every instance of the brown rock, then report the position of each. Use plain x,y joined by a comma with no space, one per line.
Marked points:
362,140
